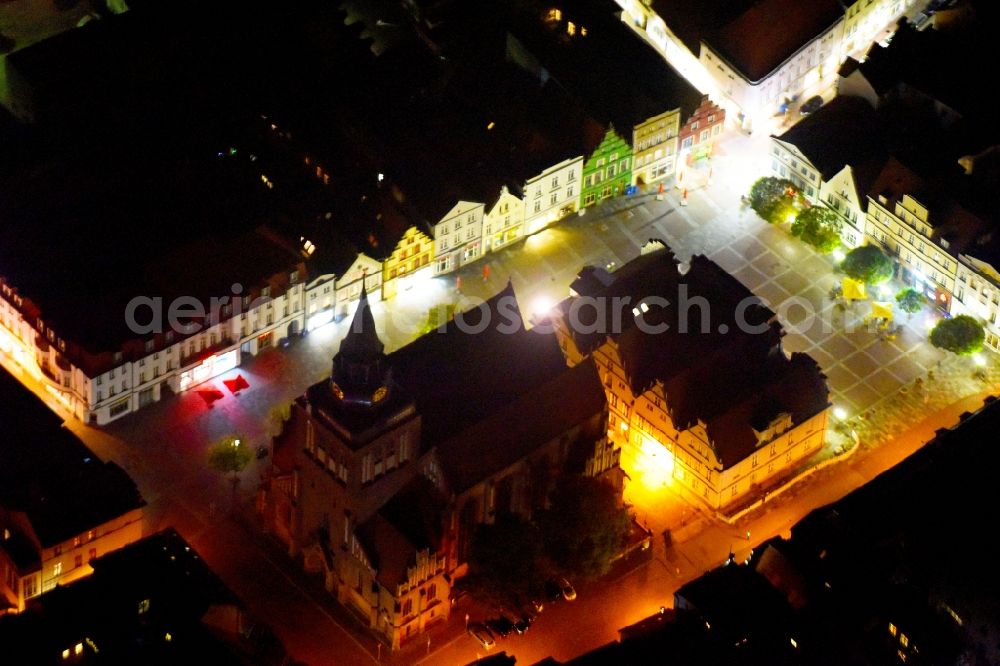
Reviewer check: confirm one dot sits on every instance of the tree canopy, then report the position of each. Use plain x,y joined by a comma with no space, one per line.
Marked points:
910,300
962,335
584,526
818,226
504,559
867,264
231,454
773,198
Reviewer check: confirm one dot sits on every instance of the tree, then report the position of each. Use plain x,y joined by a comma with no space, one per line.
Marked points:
584,526
910,300
503,560
230,455
818,226
773,198
867,264
437,316
962,335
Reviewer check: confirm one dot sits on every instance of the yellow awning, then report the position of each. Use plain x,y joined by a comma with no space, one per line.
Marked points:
853,290
881,310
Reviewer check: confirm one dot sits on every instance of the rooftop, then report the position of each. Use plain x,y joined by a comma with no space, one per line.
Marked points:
47,473
461,377
542,414
408,523
769,32
729,374
845,131
149,603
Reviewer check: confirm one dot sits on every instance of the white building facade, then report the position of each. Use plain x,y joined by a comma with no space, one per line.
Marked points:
142,371
552,194
458,237
504,223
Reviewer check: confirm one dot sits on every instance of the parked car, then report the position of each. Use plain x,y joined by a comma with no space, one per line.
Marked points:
482,634
559,588
811,105
500,626
568,593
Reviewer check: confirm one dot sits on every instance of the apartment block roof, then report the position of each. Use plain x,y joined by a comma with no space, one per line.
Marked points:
700,333
769,32
48,474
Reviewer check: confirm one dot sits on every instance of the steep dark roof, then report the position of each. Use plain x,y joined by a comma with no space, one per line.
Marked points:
407,524
47,473
769,32
464,375
845,131
732,377
542,414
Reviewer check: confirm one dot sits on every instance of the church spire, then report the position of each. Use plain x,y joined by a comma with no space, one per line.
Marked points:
361,377
362,339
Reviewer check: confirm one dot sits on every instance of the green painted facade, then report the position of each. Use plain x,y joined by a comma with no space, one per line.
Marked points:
608,171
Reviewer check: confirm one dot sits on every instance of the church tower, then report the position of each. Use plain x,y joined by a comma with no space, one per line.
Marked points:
361,378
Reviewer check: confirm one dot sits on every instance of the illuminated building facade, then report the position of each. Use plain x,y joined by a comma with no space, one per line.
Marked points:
458,237
833,157
410,263
654,141
773,52
552,195
608,170
382,472
60,507
700,131
101,376
719,415
504,222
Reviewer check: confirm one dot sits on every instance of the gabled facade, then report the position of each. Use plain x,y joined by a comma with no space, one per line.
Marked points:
504,222
698,134
903,228
552,195
608,170
654,141
458,237
365,274
978,295
719,416
411,262
842,195
330,296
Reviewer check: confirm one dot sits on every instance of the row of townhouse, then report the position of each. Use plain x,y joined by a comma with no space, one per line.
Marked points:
758,56
943,248
656,150
158,358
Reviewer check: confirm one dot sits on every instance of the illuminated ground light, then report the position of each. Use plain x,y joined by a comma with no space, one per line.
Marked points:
839,256
654,464
979,360
542,306
839,413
